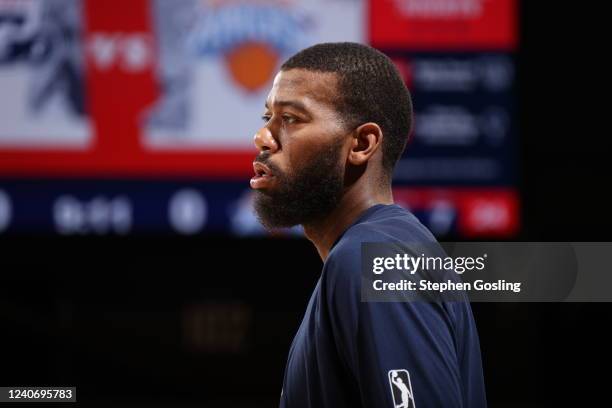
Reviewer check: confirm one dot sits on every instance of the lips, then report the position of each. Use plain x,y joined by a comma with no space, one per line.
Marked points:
263,176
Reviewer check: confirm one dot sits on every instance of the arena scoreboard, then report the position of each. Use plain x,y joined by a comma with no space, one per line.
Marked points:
138,117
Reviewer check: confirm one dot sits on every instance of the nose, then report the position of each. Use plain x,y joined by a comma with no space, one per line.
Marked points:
264,141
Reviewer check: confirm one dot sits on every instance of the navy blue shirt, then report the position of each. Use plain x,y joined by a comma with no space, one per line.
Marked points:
349,353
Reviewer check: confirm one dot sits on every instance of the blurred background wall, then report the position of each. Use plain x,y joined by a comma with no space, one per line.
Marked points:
132,265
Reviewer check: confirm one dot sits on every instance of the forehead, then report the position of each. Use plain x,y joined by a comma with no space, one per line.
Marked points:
312,89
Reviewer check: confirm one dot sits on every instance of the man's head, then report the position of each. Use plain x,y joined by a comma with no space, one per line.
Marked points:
335,110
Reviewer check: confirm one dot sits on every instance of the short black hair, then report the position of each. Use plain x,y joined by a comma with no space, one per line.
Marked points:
370,90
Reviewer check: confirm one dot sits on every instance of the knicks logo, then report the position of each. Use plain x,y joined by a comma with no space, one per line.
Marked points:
401,389
249,37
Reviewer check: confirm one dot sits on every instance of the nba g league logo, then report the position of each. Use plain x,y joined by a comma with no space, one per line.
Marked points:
401,389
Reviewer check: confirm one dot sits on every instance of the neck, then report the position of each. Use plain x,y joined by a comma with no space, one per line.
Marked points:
323,233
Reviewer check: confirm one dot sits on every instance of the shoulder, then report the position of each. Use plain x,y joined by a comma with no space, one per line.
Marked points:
391,224
388,224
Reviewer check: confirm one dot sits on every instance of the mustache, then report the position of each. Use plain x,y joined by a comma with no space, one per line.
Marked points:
264,158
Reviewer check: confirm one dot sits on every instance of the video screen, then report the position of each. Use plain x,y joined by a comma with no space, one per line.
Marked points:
138,117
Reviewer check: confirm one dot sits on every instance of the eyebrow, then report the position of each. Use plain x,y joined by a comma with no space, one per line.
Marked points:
289,103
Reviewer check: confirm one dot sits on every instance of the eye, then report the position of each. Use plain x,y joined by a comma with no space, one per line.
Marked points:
289,119
265,118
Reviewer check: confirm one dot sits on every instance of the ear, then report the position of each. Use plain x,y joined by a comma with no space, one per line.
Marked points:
367,139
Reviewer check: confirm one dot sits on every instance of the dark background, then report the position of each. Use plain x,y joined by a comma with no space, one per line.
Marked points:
125,319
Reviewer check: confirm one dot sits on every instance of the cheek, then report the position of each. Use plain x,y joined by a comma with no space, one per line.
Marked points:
308,145
298,153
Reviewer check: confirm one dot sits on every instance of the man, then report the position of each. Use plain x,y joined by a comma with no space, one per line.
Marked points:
335,123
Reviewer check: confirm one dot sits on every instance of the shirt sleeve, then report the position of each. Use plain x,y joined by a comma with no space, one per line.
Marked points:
379,341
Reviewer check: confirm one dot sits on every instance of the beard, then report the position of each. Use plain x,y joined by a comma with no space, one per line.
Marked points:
306,196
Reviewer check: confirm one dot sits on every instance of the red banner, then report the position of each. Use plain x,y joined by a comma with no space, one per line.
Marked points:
462,25
480,212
